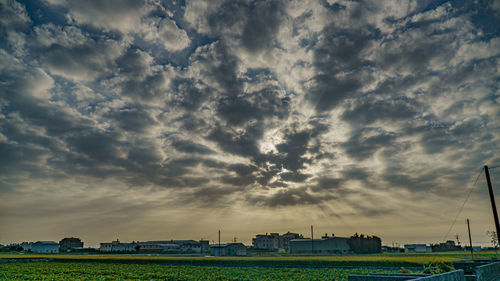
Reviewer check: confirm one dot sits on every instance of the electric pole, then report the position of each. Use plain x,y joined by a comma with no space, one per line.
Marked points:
470,240
492,199
219,240
312,240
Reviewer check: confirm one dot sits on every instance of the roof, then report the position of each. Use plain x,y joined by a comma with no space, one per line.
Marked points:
226,245
322,239
46,243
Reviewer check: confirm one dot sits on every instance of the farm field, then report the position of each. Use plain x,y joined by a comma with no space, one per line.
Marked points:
135,267
113,271
385,259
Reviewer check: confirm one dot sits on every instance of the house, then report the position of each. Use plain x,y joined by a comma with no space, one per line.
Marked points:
274,241
158,246
231,249
417,248
66,244
266,242
45,247
325,245
117,246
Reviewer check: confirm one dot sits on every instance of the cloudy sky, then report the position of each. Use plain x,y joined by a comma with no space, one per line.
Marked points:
157,119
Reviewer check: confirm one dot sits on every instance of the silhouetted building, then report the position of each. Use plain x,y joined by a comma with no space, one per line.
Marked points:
26,246
45,247
231,249
67,244
326,245
417,248
274,241
117,246
184,246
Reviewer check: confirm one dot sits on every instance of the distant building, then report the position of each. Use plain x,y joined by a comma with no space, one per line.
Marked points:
45,247
417,248
83,250
274,241
266,242
157,247
326,245
67,244
26,246
231,249
117,246
180,246
388,249
185,246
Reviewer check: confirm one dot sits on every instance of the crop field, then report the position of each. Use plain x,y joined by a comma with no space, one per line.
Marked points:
385,259
134,267
113,271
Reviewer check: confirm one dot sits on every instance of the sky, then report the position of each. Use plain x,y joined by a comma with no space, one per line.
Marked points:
151,120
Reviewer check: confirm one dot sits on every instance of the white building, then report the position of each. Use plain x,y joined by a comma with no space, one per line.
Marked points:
117,246
274,241
417,248
45,247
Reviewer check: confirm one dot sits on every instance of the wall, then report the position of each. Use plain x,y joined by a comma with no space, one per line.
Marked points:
322,246
489,272
457,275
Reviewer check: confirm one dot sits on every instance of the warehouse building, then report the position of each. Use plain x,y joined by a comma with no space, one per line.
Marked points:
325,245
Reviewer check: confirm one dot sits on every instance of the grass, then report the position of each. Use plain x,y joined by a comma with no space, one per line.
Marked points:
385,259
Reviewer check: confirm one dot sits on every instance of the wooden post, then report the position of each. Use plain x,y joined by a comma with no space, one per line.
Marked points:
470,240
492,199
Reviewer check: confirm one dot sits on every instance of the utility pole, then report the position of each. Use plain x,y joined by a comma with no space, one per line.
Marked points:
470,240
312,240
492,199
219,239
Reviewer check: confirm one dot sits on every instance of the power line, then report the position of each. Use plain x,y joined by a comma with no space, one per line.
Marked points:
463,204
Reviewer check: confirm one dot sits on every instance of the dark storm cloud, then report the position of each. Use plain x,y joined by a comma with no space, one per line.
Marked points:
365,111
262,26
242,169
339,51
99,146
294,177
435,138
131,118
289,197
360,146
218,64
189,96
244,143
296,144
191,147
327,183
255,24
71,53
264,104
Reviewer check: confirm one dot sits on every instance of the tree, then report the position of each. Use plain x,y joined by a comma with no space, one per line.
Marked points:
362,244
494,240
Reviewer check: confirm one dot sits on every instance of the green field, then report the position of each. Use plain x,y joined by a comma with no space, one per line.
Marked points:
123,267
113,271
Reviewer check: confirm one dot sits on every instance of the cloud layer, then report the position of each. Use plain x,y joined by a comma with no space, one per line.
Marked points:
263,106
